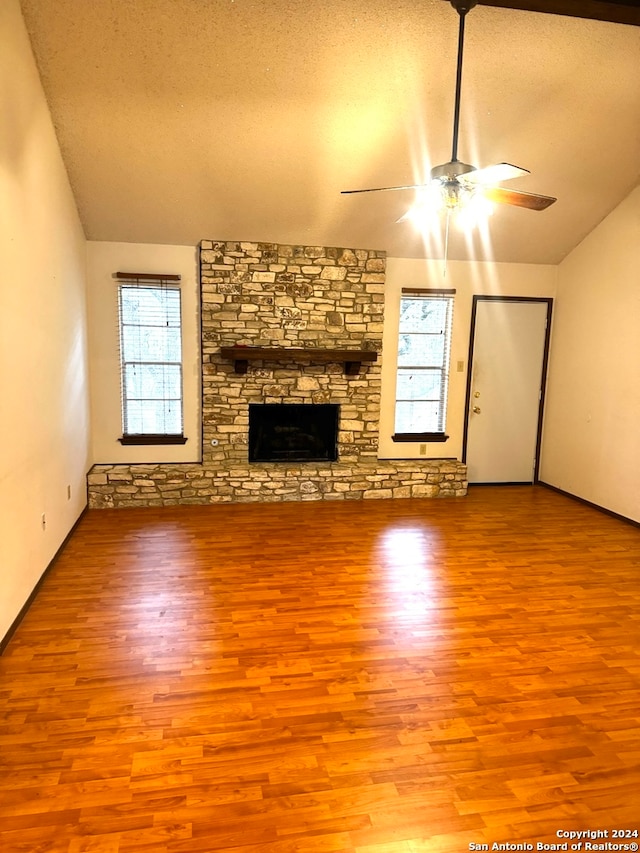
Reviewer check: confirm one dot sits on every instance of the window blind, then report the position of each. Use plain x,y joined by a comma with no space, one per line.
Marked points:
424,343
150,330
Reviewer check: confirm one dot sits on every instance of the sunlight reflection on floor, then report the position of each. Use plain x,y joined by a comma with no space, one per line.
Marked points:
407,556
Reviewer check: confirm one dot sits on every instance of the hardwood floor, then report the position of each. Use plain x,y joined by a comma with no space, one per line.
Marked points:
378,676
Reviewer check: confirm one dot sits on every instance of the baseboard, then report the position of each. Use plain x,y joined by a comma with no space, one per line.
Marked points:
590,504
4,642
501,483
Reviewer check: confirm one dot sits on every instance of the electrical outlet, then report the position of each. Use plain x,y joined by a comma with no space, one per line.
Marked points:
460,366
44,521
423,450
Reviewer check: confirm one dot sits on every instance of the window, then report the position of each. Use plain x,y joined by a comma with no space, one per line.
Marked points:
423,364
150,359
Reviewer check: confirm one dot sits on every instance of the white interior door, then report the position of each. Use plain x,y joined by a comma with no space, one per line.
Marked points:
506,389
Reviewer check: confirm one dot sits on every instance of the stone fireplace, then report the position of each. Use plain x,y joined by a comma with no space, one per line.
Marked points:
294,326
290,302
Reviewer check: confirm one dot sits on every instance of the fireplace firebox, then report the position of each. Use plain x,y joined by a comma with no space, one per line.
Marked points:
293,432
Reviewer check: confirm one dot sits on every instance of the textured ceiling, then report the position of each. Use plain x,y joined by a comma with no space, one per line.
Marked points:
243,119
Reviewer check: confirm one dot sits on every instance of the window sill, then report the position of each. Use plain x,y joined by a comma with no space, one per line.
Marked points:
152,439
419,436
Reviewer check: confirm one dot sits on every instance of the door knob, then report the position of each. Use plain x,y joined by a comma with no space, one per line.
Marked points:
477,410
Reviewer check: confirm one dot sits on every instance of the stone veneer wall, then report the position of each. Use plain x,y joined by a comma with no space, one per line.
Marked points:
308,297
271,295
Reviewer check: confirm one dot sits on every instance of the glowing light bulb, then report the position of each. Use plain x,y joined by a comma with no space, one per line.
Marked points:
466,203
475,212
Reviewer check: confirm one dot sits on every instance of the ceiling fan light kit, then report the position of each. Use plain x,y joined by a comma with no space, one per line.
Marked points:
457,188
465,206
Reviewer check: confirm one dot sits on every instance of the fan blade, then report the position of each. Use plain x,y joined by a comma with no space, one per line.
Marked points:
494,174
385,189
532,201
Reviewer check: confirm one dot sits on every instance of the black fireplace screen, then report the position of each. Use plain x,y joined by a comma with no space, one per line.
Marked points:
293,432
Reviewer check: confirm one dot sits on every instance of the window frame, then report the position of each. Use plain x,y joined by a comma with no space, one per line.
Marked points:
149,281
444,368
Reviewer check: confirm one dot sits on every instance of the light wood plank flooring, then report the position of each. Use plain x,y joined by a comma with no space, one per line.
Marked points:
353,677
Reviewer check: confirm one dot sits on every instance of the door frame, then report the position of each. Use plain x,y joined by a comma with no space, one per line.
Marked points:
545,363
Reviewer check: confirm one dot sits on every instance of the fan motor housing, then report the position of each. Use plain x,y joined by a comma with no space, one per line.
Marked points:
451,170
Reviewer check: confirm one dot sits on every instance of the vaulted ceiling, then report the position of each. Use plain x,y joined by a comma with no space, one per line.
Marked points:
244,119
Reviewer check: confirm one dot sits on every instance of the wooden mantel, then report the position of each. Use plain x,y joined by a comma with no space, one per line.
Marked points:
352,358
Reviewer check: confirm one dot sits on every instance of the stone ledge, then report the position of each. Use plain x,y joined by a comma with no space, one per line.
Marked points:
116,486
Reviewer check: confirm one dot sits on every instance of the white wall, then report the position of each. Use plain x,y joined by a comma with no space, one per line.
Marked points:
591,439
468,279
103,260
44,410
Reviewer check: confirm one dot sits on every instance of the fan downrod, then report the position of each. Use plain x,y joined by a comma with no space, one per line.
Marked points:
461,7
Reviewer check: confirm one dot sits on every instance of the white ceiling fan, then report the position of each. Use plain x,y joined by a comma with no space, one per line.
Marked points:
456,184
